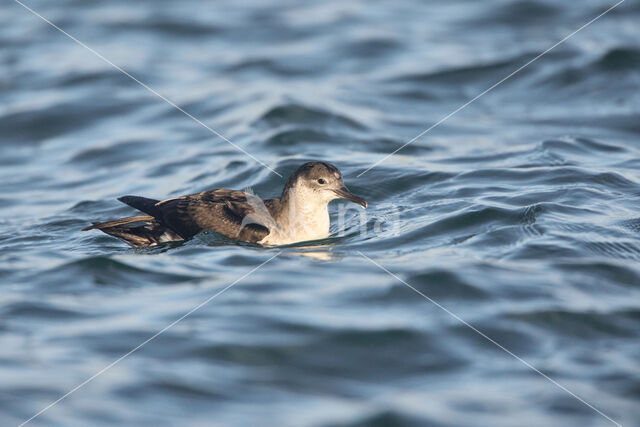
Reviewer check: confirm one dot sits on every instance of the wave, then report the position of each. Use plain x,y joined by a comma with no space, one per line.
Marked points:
296,114
518,13
582,325
107,271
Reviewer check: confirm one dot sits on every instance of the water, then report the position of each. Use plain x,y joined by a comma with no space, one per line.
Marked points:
520,214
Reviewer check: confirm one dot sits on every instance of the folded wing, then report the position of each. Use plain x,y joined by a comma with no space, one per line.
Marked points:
235,214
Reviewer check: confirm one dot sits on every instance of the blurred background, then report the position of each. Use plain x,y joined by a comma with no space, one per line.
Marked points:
519,213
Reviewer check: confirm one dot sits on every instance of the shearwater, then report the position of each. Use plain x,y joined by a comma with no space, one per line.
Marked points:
301,213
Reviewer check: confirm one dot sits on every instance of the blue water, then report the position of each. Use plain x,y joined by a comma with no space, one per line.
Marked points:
520,214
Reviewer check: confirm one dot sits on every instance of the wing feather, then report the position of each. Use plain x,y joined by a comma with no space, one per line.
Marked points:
232,213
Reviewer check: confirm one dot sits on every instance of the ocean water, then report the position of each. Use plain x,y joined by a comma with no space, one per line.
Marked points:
518,216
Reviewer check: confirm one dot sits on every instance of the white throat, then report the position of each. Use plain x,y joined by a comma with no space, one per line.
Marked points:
304,217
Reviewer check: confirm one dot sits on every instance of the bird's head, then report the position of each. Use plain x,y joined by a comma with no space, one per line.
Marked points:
321,181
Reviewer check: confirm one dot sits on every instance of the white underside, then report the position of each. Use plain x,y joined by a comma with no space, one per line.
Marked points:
303,226
305,218
277,239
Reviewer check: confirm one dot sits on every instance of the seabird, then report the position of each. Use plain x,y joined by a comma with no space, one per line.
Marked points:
301,213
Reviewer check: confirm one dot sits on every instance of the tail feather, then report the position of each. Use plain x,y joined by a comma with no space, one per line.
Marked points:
121,221
143,204
139,231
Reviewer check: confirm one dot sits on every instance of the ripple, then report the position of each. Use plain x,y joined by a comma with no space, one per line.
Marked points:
371,48
167,27
470,74
90,79
292,137
446,284
615,61
519,214
106,271
560,175
113,154
577,325
299,114
43,311
620,59
579,146
614,249
388,418
471,219
521,12
632,224
34,125
611,272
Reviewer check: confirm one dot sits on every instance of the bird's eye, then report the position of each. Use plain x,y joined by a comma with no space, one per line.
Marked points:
321,181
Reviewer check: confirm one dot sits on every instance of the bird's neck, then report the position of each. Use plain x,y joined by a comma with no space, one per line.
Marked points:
303,215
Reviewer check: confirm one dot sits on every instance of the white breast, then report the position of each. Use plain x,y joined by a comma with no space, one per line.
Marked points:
301,222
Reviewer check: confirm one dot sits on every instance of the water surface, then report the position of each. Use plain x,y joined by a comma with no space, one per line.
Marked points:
519,214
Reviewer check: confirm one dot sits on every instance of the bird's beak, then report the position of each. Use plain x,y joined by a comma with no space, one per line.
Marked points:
343,193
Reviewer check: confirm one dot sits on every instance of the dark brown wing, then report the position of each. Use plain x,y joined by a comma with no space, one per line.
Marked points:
228,212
